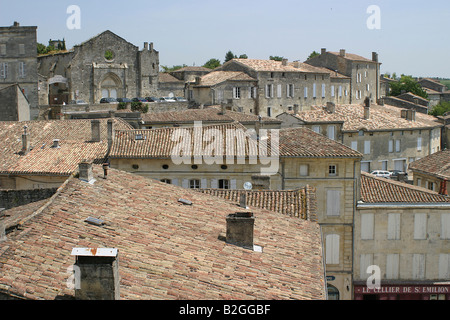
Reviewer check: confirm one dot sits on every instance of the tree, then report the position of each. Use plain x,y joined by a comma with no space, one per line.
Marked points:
243,56
276,58
212,63
173,68
407,84
41,48
229,56
440,109
313,54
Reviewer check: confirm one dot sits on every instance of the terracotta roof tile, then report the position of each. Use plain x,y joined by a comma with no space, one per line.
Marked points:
382,190
436,164
217,77
352,56
167,250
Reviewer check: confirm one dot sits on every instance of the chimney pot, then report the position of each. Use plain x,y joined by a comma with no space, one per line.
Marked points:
323,50
55,143
95,128
25,140
284,62
342,52
240,227
145,45
85,171
151,46
367,108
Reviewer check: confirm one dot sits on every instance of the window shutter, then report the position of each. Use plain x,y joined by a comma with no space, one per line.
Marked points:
392,266
419,144
418,266
397,145
233,184
367,226
333,202
393,226
391,145
316,129
366,147
175,182
214,184
306,92
366,261
444,266
204,184
354,145
279,91
323,90
303,169
185,183
314,90
332,249
420,226
332,132
445,226
332,91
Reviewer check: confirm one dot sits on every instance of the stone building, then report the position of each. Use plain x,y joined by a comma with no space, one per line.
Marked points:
389,137
269,88
364,73
18,62
14,105
433,172
403,230
101,67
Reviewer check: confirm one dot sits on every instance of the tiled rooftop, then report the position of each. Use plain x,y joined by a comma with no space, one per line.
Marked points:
217,77
75,145
382,190
273,65
436,164
381,118
352,56
158,143
167,250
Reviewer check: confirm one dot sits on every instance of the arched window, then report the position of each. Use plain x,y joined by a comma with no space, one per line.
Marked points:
333,292
111,86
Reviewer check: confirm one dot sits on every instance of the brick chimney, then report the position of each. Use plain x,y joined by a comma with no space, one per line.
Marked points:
411,115
85,171
110,130
331,107
95,129
342,52
25,140
240,226
284,62
96,273
367,108
374,57
443,188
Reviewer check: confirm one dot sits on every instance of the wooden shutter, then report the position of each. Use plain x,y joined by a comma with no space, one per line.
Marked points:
392,266
354,145
420,226
366,147
185,183
333,202
367,226
279,91
445,226
332,249
175,182
444,266
204,184
393,226
214,183
418,266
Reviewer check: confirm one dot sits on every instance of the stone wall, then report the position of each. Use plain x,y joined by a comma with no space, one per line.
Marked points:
15,198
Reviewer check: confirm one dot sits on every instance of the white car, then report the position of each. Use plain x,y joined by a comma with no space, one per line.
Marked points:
381,173
167,99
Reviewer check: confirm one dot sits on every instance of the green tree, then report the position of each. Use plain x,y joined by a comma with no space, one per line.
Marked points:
229,56
313,54
243,56
41,49
276,58
212,63
440,109
173,68
407,84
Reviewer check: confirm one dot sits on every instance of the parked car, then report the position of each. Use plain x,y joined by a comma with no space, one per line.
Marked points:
167,99
139,100
395,173
126,100
381,173
77,102
108,100
180,99
152,99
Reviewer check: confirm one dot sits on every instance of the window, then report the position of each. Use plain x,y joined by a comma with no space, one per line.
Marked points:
168,181
323,90
391,145
333,202
445,226
332,249
236,93
431,185
279,91
269,111
397,145
314,90
316,129
22,69
365,166
444,266
194,184
419,144
306,92
368,87
3,49
419,182
384,165
269,90
366,147
332,170
290,90
332,91
252,93
420,226
393,232
340,91
224,184
304,169
331,132
367,226
354,145
392,266
3,70
418,266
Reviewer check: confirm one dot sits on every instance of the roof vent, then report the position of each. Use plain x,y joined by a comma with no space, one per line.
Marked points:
240,226
95,221
56,144
185,202
140,136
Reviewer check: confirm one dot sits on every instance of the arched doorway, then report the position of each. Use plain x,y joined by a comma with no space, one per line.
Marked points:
111,86
333,292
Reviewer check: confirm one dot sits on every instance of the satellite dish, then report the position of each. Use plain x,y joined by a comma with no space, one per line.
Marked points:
248,186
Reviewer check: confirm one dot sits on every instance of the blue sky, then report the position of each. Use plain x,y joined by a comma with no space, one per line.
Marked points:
412,38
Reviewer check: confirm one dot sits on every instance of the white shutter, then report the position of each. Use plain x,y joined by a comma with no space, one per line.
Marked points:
233,185
332,249
316,129
314,90
204,184
306,92
279,91
397,145
418,267
175,182
333,202
392,266
445,226
420,226
214,184
323,90
393,226
303,169
185,183
340,91
366,147
250,92
366,261
391,145
367,226
354,145
444,266
331,132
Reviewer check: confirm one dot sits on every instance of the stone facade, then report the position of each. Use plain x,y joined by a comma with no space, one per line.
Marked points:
104,66
14,104
18,63
15,198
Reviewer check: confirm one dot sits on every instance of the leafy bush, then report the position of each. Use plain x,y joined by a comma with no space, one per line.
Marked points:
122,106
139,106
440,109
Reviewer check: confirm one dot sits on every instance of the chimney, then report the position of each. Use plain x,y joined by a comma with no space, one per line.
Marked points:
145,46
95,128
295,108
222,108
442,189
411,115
197,81
342,52
105,170
96,273
331,107
16,24
56,144
367,108
323,50
243,200
296,64
374,57
151,46
2,232
284,62
85,171
110,133
240,227
25,140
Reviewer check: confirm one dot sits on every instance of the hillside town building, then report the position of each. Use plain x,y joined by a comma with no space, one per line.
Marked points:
433,172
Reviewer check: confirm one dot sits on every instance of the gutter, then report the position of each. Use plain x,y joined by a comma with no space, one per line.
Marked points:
392,205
